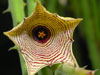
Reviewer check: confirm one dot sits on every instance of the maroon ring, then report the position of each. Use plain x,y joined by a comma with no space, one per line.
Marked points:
41,34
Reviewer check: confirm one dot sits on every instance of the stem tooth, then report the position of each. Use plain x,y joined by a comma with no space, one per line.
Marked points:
6,11
13,48
85,66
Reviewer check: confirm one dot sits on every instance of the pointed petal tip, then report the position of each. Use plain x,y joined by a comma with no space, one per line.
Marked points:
79,19
38,3
39,6
5,33
8,33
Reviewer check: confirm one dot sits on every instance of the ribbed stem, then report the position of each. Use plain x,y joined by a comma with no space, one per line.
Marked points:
16,8
31,5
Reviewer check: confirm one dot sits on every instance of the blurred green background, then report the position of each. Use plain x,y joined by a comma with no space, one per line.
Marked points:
86,46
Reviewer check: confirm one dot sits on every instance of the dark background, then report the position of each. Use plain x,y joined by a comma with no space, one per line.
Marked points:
9,60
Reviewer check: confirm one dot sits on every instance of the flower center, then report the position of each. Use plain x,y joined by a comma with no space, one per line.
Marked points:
41,34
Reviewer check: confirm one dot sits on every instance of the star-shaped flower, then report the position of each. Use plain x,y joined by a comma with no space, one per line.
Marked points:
45,39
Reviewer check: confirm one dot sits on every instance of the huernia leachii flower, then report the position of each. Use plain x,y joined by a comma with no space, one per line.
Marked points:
45,39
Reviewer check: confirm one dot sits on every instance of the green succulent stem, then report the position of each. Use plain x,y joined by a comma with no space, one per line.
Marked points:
16,7
31,5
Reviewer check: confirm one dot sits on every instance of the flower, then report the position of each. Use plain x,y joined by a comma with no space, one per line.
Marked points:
45,39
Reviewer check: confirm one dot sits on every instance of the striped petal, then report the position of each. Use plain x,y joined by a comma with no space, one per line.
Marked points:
45,39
